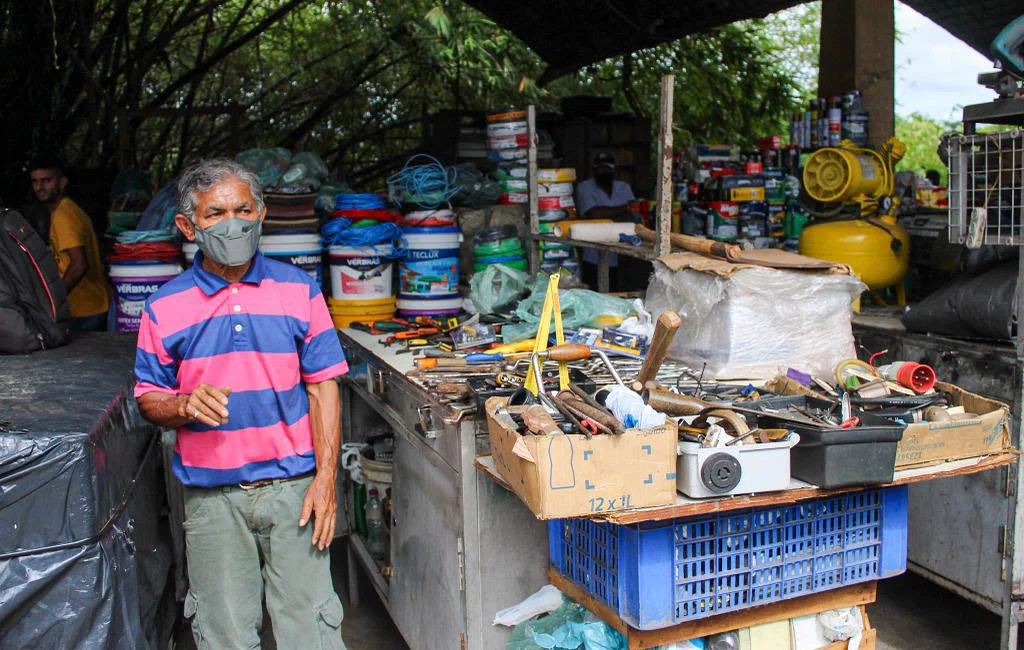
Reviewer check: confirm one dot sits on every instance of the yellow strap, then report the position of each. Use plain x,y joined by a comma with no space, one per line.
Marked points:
563,368
543,330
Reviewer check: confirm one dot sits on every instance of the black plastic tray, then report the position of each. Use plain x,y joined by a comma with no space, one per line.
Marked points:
832,457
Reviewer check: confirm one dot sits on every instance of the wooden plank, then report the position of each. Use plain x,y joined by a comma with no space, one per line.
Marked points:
685,507
851,596
663,195
531,173
640,252
691,507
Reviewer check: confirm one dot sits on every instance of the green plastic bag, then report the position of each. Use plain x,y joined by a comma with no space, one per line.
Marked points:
580,308
570,627
497,288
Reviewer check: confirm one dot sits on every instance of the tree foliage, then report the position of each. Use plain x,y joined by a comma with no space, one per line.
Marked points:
349,79
921,134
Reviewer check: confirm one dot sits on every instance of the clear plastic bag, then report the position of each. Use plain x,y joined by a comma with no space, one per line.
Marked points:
758,320
268,164
497,288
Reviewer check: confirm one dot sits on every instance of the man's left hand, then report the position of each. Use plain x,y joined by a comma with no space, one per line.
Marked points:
320,502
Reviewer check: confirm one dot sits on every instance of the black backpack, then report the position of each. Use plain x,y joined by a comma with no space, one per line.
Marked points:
34,309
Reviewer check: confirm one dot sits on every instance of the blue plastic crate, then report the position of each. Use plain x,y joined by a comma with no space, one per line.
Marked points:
659,574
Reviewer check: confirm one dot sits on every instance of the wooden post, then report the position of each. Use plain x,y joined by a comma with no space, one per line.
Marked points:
531,172
663,196
858,51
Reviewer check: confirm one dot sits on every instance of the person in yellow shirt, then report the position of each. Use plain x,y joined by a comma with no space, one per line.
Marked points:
75,248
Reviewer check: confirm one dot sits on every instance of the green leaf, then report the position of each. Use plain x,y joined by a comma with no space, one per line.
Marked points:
439,19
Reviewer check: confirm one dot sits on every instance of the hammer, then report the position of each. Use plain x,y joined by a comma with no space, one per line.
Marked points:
664,331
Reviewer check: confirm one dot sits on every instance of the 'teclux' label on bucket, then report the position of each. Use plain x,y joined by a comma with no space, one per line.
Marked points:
429,272
360,277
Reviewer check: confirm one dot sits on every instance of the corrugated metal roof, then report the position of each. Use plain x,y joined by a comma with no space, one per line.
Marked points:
569,34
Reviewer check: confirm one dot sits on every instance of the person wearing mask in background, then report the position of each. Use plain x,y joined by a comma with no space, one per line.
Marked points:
602,196
239,354
75,248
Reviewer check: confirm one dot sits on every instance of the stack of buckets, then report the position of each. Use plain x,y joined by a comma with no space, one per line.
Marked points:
290,232
500,245
429,271
555,204
136,277
507,144
361,276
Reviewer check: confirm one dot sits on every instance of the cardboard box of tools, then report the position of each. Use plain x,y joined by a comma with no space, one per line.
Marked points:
930,443
571,475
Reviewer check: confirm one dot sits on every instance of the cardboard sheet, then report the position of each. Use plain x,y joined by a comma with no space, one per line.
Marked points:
771,258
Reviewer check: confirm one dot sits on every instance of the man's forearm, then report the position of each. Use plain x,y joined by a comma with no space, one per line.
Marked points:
72,277
615,213
167,411
325,420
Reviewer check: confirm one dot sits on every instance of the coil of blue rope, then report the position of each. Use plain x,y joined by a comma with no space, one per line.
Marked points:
358,202
428,184
340,232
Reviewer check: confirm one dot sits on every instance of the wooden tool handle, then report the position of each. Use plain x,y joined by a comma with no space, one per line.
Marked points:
664,331
674,404
569,352
538,420
692,244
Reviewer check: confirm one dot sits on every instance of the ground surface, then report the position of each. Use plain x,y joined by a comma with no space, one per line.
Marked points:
911,614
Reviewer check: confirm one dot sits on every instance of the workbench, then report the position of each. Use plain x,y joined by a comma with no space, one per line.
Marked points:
464,546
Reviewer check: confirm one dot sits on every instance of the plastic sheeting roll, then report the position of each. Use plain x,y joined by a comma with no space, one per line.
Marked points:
601,232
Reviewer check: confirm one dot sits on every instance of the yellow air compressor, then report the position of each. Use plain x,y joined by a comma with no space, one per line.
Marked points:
871,243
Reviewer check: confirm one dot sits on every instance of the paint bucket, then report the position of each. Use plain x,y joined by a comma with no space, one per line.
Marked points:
189,248
723,221
517,262
346,312
430,267
412,307
301,249
428,218
133,285
361,273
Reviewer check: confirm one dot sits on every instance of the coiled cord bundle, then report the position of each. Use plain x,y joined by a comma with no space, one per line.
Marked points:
429,184
344,232
358,202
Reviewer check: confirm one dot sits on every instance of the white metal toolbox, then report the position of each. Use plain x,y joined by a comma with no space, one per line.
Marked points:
735,469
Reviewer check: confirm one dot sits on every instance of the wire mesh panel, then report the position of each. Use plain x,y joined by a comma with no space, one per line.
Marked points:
986,188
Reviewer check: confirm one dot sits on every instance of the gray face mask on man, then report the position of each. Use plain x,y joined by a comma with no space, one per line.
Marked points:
231,242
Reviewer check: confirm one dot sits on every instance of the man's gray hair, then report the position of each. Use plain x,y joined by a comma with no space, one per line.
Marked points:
202,176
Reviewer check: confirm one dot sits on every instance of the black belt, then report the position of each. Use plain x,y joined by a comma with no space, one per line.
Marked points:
248,485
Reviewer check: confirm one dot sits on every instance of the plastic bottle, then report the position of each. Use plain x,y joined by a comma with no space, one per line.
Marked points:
376,542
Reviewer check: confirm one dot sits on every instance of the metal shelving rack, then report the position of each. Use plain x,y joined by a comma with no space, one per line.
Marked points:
662,244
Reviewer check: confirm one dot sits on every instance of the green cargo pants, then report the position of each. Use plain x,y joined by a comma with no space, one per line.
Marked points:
227,532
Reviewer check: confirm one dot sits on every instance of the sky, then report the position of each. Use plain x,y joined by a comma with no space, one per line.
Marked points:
936,73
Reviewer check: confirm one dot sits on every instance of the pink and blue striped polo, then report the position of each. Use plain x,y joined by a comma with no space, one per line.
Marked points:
265,337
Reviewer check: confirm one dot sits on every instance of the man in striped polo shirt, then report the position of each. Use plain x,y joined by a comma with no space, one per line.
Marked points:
240,356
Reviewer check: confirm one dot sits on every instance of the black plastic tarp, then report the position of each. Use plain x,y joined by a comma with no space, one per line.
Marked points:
980,306
84,561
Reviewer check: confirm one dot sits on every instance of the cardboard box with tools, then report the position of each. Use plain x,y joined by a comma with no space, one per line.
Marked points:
930,443
570,475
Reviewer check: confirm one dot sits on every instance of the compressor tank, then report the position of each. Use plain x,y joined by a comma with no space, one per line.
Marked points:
866,247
